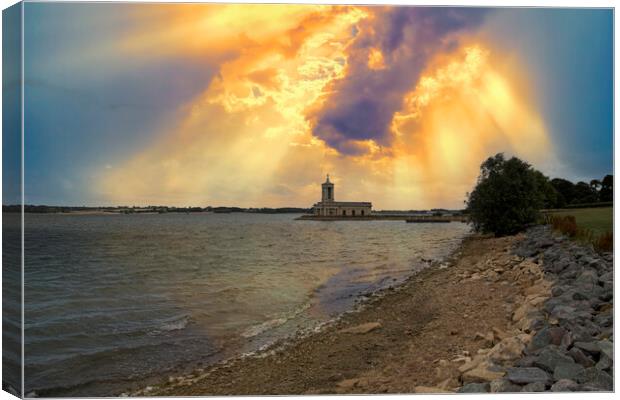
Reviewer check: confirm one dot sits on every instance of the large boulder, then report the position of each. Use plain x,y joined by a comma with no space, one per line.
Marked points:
524,376
504,386
474,388
509,348
595,378
589,347
550,357
483,372
606,347
567,371
565,385
534,387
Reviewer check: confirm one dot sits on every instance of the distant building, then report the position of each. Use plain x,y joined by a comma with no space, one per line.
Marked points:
328,207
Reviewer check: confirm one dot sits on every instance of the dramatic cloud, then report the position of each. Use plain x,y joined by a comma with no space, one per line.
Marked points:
251,105
384,61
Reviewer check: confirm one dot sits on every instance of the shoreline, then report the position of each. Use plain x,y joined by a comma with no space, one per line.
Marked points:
285,343
410,298
461,326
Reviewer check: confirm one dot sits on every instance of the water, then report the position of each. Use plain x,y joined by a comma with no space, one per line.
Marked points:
111,300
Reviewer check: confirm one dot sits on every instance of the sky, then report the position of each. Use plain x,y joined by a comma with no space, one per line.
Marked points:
252,105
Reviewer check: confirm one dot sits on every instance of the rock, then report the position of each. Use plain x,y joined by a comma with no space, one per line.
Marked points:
534,387
557,291
429,389
504,386
527,375
348,383
508,349
527,361
565,385
580,296
363,328
607,333
604,363
550,357
584,333
588,277
487,340
581,357
533,321
499,333
590,347
469,365
540,339
606,347
595,378
608,292
556,335
606,277
545,243
474,388
521,312
567,371
484,372
448,384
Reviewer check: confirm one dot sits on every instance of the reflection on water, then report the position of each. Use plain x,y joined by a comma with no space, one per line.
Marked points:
121,297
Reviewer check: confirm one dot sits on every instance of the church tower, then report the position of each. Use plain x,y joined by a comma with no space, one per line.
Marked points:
328,191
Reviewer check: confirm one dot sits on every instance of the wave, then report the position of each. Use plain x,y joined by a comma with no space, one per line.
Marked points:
278,321
176,324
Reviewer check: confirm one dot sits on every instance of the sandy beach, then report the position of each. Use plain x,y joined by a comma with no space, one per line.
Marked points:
437,332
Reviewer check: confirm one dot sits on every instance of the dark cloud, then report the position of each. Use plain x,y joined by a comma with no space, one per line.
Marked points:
363,103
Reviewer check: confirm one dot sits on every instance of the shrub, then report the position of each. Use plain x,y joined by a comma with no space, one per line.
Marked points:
566,224
507,196
605,242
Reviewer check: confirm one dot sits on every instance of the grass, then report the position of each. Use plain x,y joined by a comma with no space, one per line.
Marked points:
592,225
598,220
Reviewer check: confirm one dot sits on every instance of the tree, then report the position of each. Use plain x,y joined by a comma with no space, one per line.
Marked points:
595,184
550,194
507,196
607,188
566,190
584,194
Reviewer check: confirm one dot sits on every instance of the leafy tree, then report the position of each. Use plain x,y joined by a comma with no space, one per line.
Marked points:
607,188
566,190
595,184
507,196
584,194
548,191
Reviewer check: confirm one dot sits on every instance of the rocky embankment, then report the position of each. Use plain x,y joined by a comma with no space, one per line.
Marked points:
562,333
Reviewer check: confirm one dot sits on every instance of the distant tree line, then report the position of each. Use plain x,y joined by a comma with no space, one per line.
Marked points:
45,209
568,193
510,193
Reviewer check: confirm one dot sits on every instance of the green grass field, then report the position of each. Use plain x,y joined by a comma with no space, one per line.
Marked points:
598,220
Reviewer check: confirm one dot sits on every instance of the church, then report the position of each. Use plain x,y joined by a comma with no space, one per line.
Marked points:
329,207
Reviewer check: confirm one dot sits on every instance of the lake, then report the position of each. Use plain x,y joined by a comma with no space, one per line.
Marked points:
112,301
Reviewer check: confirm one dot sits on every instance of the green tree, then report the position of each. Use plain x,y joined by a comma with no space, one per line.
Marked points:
550,195
507,196
595,184
607,188
565,189
584,194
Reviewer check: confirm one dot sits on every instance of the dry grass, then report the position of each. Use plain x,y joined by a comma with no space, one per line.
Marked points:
567,224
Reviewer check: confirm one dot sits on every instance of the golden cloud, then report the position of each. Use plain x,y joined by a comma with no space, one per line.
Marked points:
246,139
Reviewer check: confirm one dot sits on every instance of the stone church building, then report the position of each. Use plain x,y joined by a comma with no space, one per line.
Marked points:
329,207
